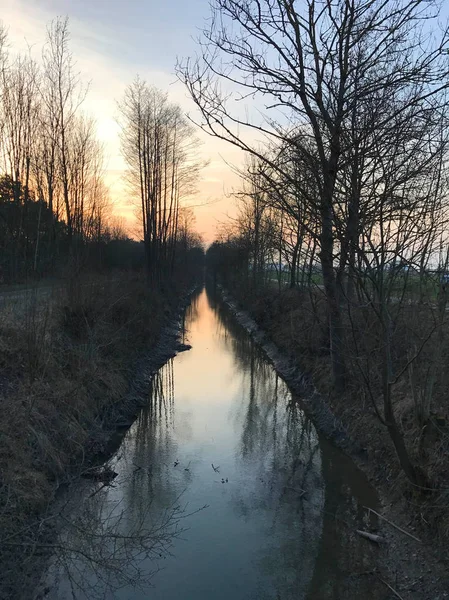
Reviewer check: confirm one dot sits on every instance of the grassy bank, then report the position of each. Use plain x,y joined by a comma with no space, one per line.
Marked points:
297,324
67,355
414,553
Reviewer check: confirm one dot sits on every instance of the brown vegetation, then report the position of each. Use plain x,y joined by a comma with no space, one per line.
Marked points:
296,321
66,364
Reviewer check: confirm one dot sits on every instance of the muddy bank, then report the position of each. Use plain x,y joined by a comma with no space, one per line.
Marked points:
416,570
90,377
168,345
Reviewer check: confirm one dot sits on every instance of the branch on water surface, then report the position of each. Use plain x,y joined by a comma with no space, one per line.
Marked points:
372,537
392,524
397,594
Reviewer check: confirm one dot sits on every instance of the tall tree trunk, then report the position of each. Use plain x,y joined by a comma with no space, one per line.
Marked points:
295,257
413,474
336,337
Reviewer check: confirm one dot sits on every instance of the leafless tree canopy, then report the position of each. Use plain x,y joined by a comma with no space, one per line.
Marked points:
159,146
351,163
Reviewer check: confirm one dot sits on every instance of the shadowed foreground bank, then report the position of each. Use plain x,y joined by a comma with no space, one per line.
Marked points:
68,355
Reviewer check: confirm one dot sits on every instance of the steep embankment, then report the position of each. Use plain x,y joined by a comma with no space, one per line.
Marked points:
75,366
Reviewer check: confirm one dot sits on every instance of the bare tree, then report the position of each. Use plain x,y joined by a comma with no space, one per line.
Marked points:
160,148
62,95
19,108
313,63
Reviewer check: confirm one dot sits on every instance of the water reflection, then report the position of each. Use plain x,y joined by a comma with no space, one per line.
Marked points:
343,565
220,430
149,448
115,536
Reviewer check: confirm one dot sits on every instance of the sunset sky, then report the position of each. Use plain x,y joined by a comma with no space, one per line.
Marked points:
112,42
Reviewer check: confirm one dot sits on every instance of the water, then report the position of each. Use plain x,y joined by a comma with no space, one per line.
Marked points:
224,490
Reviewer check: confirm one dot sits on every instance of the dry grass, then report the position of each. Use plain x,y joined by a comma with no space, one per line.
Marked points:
65,362
296,321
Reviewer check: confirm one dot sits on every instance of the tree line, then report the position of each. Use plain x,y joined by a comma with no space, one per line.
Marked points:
55,207
345,192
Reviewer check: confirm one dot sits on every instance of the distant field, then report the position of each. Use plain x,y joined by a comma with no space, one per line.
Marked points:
410,285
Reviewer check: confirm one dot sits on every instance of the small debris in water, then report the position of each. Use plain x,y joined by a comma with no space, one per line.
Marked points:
176,463
216,469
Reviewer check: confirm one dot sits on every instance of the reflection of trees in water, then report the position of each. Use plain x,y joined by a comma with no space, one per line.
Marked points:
149,447
280,447
312,495
118,534
280,454
162,396
104,548
344,559
192,312
233,334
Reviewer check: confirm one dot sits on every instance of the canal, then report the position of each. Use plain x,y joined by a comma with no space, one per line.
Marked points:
224,489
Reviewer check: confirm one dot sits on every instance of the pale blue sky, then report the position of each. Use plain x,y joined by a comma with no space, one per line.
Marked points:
137,32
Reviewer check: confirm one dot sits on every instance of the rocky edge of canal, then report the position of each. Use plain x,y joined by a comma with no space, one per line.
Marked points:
408,561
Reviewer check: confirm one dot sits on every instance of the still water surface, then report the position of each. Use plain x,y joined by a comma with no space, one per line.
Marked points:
245,500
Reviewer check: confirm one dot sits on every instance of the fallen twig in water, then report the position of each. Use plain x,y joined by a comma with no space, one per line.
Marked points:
393,524
297,490
397,594
372,537
101,488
